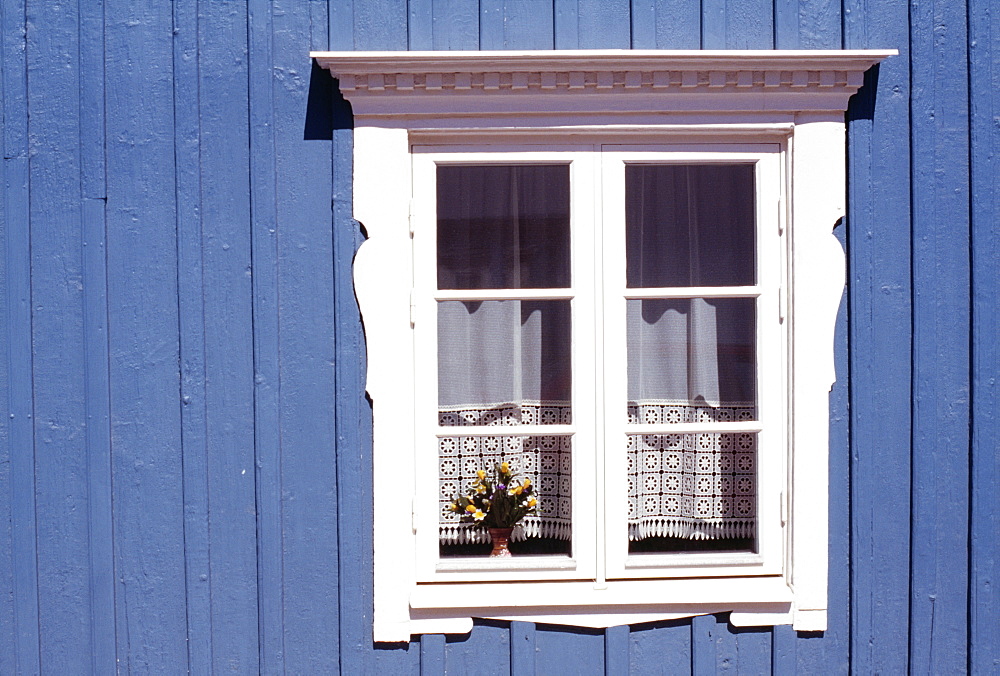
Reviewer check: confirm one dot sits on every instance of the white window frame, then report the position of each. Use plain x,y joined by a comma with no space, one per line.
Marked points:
633,98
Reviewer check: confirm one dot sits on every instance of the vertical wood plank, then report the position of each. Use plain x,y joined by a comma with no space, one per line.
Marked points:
18,565
143,332
753,651
523,648
455,24
341,28
616,649
565,24
810,24
226,300
95,312
488,637
568,650
783,642
984,108
713,24
516,24
678,24
703,637
737,24
267,440
310,580
661,648
19,479
880,307
940,471
100,516
14,70
432,655
643,17
61,468
420,24
191,323
380,25
604,24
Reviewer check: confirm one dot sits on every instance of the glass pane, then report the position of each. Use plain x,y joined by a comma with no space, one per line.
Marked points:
689,225
692,492
503,227
504,362
546,461
691,360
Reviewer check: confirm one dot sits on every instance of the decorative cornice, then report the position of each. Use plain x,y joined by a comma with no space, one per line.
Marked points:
692,80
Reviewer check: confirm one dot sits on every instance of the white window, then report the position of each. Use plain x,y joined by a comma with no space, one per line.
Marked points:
616,272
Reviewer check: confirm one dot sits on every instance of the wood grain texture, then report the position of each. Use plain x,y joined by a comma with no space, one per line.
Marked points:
984,548
58,365
941,321
191,324
264,263
516,24
523,648
568,650
143,332
661,648
488,638
20,568
880,314
305,301
226,301
18,564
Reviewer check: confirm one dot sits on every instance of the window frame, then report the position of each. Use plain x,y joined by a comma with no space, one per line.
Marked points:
402,99
597,221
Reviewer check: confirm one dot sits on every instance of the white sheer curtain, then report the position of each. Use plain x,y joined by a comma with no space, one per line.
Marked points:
690,360
505,362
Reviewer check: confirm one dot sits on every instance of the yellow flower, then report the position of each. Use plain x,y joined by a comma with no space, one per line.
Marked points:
527,482
532,502
481,474
470,508
453,506
478,515
515,490
504,467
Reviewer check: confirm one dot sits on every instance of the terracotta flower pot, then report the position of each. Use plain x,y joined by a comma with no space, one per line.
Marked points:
500,538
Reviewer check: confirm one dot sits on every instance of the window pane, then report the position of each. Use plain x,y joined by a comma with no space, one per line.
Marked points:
691,360
692,492
546,460
503,227
689,225
504,362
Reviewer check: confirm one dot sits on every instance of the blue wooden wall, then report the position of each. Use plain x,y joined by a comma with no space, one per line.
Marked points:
185,450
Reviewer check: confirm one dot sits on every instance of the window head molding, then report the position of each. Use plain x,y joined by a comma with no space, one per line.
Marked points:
404,102
511,82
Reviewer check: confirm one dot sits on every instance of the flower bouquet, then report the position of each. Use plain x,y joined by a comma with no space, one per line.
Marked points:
497,504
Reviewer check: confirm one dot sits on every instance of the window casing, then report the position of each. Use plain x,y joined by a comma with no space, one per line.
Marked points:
599,114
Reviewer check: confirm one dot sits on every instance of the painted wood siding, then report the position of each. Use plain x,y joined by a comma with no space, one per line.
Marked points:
185,455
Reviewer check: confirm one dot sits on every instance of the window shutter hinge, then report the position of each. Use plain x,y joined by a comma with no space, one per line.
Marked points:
784,509
413,310
781,216
782,303
410,216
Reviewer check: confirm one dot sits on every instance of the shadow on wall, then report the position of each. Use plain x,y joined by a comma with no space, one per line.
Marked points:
862,104
326,108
